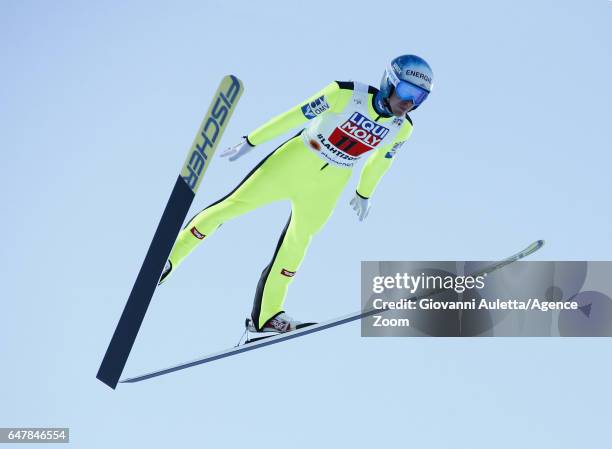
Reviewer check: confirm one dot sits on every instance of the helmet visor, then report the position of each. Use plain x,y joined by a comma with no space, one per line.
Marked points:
408,91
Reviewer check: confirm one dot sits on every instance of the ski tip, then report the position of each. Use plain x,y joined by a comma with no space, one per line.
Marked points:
533,247
235,79
536,245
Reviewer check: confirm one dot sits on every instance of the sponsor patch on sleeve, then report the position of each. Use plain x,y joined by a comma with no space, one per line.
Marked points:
315,107
393,150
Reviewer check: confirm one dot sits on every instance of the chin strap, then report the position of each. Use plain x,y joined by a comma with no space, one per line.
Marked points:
382,105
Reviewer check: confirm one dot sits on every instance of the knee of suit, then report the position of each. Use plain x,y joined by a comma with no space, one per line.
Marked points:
304,234
297,243
308,225
209,220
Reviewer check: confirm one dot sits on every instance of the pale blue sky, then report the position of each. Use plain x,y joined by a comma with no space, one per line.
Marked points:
98,105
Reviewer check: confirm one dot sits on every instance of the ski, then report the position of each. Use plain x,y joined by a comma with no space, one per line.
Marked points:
197,161
267,341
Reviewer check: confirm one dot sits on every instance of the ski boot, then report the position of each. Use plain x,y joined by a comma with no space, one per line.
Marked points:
278,324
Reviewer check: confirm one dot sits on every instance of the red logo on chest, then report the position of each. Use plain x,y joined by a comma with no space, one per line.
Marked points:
358,135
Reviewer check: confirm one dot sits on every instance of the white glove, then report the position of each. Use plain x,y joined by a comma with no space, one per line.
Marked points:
238,150
361,206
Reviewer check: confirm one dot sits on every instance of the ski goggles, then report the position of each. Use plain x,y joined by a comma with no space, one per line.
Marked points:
406,90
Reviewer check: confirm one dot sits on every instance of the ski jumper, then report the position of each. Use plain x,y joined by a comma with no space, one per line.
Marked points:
310,170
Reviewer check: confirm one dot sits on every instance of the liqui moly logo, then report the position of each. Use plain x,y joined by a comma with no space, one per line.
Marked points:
364,130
